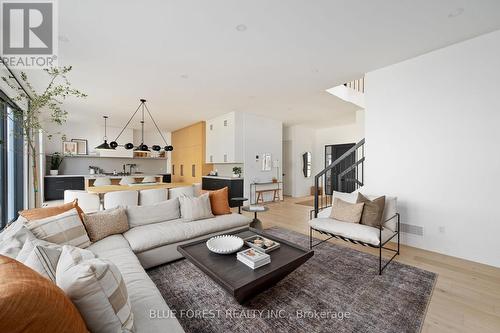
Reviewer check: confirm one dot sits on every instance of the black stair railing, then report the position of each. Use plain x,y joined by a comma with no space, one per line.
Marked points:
345,174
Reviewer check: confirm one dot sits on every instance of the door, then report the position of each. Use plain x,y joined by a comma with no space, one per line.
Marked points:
332,153
287,168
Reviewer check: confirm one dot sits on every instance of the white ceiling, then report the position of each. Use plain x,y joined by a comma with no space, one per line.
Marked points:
189,60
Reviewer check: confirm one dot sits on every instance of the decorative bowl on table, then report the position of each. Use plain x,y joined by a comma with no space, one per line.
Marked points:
224,244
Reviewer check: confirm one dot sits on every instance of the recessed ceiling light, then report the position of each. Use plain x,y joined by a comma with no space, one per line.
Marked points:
184,76
457,12
241,27
252,97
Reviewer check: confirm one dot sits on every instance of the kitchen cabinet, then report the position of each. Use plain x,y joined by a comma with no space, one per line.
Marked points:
234,185
224,139
55,186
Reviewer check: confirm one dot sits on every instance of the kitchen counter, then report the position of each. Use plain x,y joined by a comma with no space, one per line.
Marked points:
223,177
136,175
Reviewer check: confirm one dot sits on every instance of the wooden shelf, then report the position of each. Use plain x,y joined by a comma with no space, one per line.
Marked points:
115,157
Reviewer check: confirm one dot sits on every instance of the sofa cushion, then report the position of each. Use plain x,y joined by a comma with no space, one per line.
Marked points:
354,231
158,234
13,237
105,223
97,288
40,256
160,212
346,211
219,201
143,294
41,213
195,208
65,229
372,211
30,303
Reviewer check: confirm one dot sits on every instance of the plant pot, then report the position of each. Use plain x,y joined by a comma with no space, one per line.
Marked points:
54,172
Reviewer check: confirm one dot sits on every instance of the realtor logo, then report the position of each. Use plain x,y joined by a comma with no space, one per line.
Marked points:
29,36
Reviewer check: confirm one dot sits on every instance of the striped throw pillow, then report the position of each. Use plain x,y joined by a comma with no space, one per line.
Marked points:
64,229
97,288
40,256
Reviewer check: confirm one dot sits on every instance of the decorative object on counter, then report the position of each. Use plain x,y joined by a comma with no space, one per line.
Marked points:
127,181
275,180
237,171
81,146
102,181
261,244
46,104
55,162
224,244
149,179
142,150
93,170
105,145
213,173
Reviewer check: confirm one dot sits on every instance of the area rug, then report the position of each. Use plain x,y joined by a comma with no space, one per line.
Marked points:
337,290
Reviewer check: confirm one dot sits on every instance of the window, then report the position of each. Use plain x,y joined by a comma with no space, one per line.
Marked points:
11,163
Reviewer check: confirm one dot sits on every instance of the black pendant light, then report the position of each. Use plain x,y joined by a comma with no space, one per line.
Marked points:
142,147
105,145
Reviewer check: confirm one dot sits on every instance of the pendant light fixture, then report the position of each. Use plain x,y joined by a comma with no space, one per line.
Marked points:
105,145
142,147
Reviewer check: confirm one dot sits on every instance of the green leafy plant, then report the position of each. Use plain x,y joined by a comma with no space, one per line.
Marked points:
44,105
237,171
55,161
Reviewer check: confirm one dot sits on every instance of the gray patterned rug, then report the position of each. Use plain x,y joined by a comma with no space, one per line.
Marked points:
337,290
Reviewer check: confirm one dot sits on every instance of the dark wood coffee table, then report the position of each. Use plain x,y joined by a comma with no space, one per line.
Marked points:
238,279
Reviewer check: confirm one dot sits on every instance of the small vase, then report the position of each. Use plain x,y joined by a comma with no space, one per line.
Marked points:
54,172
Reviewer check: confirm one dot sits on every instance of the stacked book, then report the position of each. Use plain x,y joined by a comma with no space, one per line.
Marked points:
253,258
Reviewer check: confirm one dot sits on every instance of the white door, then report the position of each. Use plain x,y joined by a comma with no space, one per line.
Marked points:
287,168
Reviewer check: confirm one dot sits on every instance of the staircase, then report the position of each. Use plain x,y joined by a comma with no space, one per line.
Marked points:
345,174
353,92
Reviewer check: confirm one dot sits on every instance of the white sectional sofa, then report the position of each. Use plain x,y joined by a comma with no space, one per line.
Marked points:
153,237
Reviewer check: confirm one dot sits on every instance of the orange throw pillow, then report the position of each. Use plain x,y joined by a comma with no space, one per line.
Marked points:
41,213
219,201
30,303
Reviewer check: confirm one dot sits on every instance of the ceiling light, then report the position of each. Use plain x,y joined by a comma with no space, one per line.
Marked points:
184,76
105,145
457,12
241,27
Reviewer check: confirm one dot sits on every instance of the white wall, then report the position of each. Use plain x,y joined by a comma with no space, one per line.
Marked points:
432,133
261,135
302,140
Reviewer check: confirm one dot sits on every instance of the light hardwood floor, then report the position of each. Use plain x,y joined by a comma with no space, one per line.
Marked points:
466,297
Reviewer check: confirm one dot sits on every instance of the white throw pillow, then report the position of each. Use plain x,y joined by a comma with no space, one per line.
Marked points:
64,229
97,289
160,212
13,237
41,256
193,209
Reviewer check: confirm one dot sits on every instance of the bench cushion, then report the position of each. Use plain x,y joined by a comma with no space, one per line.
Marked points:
150,236
354,231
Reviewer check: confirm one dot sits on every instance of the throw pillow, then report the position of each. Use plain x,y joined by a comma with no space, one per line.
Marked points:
106,223
373,210
41,256
65,228
193,209
97,289
41,213
219,201
160,212
30,303
346,212
12,239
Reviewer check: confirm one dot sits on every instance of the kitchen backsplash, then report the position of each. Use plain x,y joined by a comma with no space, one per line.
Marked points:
80,166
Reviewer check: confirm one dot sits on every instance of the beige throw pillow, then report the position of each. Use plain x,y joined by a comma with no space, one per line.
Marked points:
106,223
40,256
346,212
193,209
64,229
373,210
97,288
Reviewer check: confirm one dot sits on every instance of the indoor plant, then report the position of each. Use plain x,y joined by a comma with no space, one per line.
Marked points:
237,171
40,105
55,162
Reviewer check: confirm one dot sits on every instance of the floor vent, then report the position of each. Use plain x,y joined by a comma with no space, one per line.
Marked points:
412,229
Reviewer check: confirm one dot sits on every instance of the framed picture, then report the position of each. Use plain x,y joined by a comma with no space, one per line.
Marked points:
81,146
266,162
69,148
